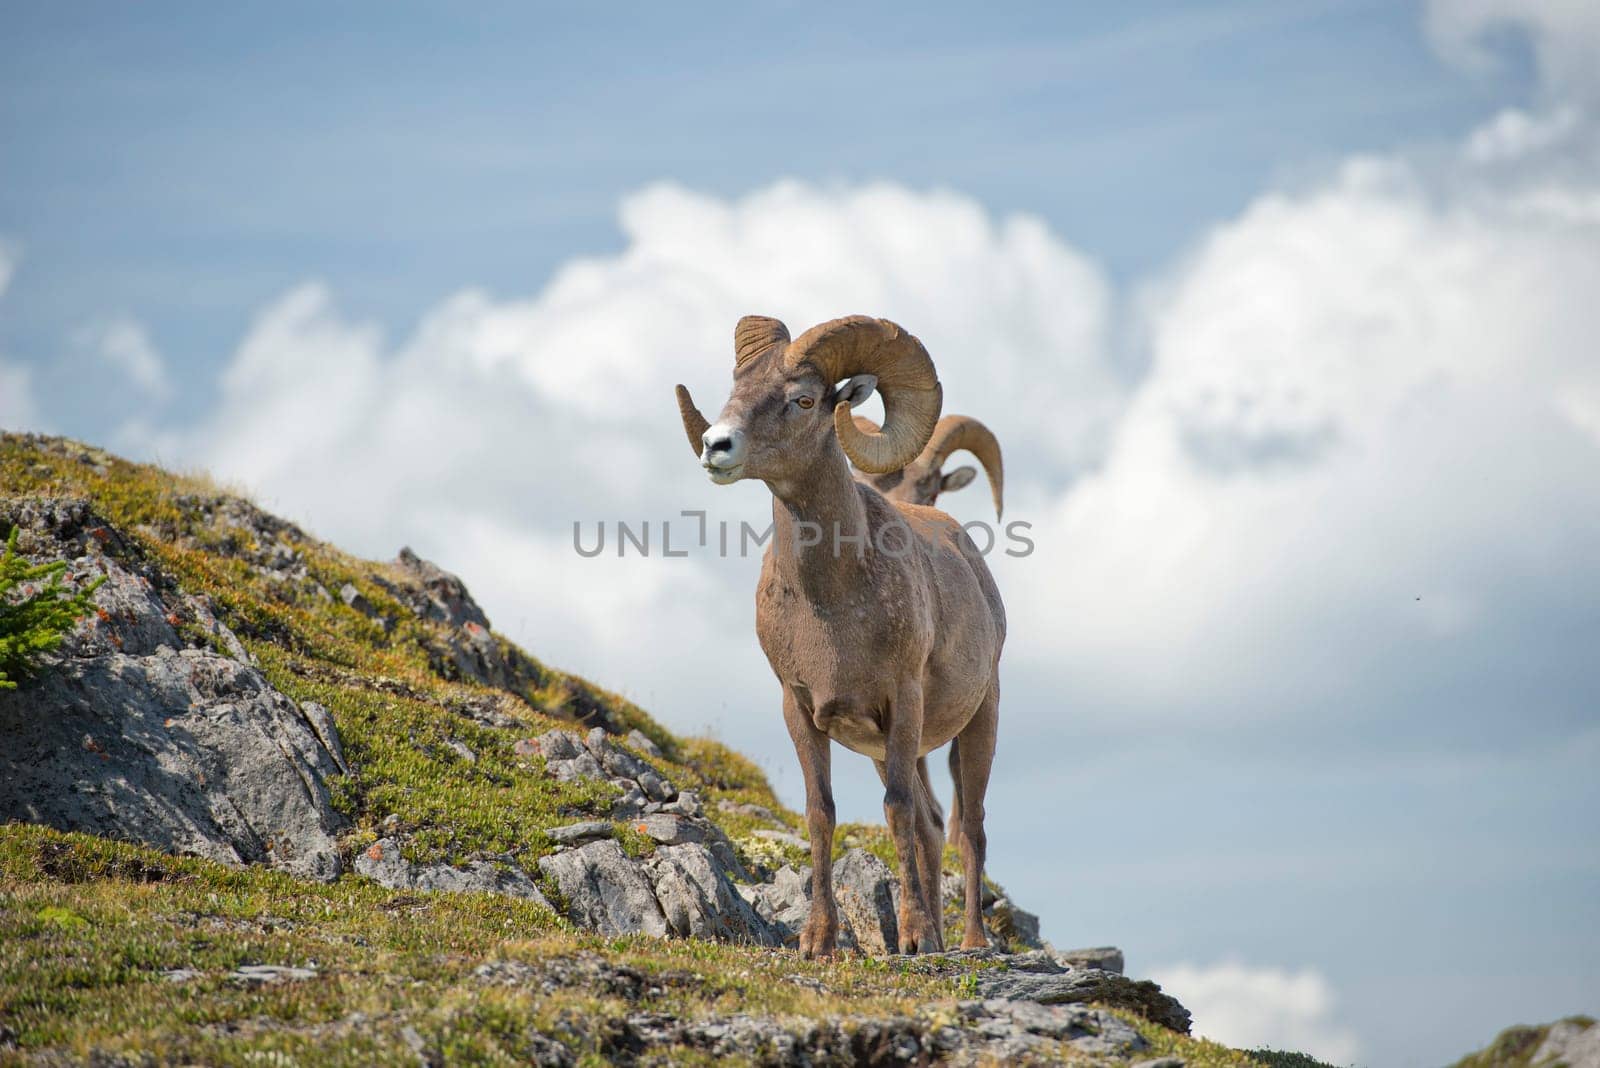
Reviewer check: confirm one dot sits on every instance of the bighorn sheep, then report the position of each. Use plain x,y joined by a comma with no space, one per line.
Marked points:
920,482
881,621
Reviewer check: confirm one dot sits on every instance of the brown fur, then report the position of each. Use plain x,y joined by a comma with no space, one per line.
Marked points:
889,653
921,482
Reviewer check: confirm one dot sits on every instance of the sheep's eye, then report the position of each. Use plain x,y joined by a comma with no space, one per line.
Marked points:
804,402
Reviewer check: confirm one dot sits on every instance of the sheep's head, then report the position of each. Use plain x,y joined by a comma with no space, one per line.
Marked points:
791,400
922,480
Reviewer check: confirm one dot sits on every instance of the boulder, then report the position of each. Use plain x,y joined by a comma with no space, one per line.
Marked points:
784,903
129,734
699,900
604,890
1105,958
1070,986
868,896
669,829
1572,1042
383,863
576,832
642,742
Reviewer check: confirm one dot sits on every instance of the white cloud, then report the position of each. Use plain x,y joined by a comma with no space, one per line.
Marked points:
485,434
1253,1007
1563,34
1368,427
1369,430
123,345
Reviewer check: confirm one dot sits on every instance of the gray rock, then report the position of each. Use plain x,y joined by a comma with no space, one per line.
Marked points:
1570,1042
461,750
583,766
270,974
631,803
784,903
322,722
745,808
642,742
1085,986
671,830
699,900
1160,1062
189,752
384,863
130,735
557,745
438,595
575,832
354,598
1105,958
605,890
788,838
1016,925
868,896
687,803
180,975
655,787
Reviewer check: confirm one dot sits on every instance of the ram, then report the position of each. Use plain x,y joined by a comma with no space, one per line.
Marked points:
923,479
879,619
920,482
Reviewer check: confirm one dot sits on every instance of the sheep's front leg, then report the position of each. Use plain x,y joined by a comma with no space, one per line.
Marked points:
821,932
918,932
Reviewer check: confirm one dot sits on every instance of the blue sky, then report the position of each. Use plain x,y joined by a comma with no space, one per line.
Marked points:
1282,311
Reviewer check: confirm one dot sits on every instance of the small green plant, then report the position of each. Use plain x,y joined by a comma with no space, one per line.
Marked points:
34,620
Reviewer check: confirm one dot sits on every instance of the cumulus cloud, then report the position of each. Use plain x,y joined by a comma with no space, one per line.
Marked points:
1365,442
1368,426
123,345
484,435
1250,1007
1563,34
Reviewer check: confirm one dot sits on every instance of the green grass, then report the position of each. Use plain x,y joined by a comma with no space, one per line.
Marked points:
88,927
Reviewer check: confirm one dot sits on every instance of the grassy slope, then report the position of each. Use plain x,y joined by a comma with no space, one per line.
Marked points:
87,926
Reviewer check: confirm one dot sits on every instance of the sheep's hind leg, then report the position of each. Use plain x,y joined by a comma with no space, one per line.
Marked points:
821,932
976,758
930,852
955,797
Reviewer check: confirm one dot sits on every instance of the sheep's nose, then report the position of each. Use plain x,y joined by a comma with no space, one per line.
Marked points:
724,446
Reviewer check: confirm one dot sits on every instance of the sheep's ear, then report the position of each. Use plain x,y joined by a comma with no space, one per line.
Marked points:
954,480
855,390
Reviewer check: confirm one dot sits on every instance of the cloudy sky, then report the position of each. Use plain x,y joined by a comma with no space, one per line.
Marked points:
1284,312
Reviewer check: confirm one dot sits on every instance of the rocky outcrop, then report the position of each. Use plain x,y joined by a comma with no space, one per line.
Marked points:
1570,1043
1044,977
604,889
383,863
151,723
1573,1042
987,1031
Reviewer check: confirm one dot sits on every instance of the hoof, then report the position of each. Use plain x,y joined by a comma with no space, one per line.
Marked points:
819,941
919,936
975,941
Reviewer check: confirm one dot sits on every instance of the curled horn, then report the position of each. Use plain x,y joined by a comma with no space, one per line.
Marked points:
694,424
912,396
956,432
754,335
